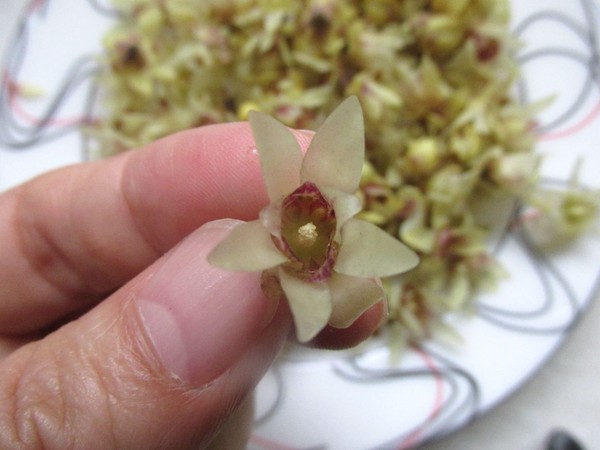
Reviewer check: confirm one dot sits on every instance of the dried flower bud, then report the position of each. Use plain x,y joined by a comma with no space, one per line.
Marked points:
515,172
424,155
558,217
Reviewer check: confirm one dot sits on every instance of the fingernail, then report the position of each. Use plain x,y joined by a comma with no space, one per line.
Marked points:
200,318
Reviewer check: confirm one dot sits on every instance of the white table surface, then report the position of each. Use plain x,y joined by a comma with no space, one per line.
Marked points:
564,394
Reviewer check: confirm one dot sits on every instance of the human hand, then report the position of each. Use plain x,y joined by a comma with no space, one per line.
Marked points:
114,330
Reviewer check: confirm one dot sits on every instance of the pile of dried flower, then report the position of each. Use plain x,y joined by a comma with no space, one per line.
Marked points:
447,147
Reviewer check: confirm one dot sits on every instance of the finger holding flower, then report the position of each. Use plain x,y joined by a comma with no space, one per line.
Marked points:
307,240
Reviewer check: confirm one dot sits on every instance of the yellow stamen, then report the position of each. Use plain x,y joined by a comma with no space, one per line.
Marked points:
307,234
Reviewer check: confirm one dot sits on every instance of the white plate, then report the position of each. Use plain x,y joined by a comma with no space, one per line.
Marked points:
357,400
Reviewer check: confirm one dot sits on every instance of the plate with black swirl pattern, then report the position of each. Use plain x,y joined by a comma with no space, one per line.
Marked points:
358,399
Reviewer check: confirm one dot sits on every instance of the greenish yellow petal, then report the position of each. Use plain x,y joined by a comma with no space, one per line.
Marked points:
345,205
248,248
336,154
368,251
350,297
310,304
280,154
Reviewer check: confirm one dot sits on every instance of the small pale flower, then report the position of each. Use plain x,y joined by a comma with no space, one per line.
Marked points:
557,217
325,260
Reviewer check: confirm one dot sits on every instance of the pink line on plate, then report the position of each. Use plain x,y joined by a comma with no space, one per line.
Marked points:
574,129
267,444
414,437
13,88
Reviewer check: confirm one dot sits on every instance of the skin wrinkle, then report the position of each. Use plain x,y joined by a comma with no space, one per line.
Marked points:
33,424
39,250
136,200
99,374
9,403
129,192
44,254
212,175
59,249
94,388
45,419
51,264
142,368
124,185
92,245
119,264
34,251
27,423
113,383
142,349
106,372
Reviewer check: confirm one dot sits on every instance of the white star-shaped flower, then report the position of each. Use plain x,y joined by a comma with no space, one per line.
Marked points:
326,261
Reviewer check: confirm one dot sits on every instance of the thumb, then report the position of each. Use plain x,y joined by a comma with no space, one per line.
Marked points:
162,363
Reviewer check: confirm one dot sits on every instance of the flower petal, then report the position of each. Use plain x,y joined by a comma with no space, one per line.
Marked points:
270,218
310,304
336,154
280,154
248,248
345,205
350,297
368,251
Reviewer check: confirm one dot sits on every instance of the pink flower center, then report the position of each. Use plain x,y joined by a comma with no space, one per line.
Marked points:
308,226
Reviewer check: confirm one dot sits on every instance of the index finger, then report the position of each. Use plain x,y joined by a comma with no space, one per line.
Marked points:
75,234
